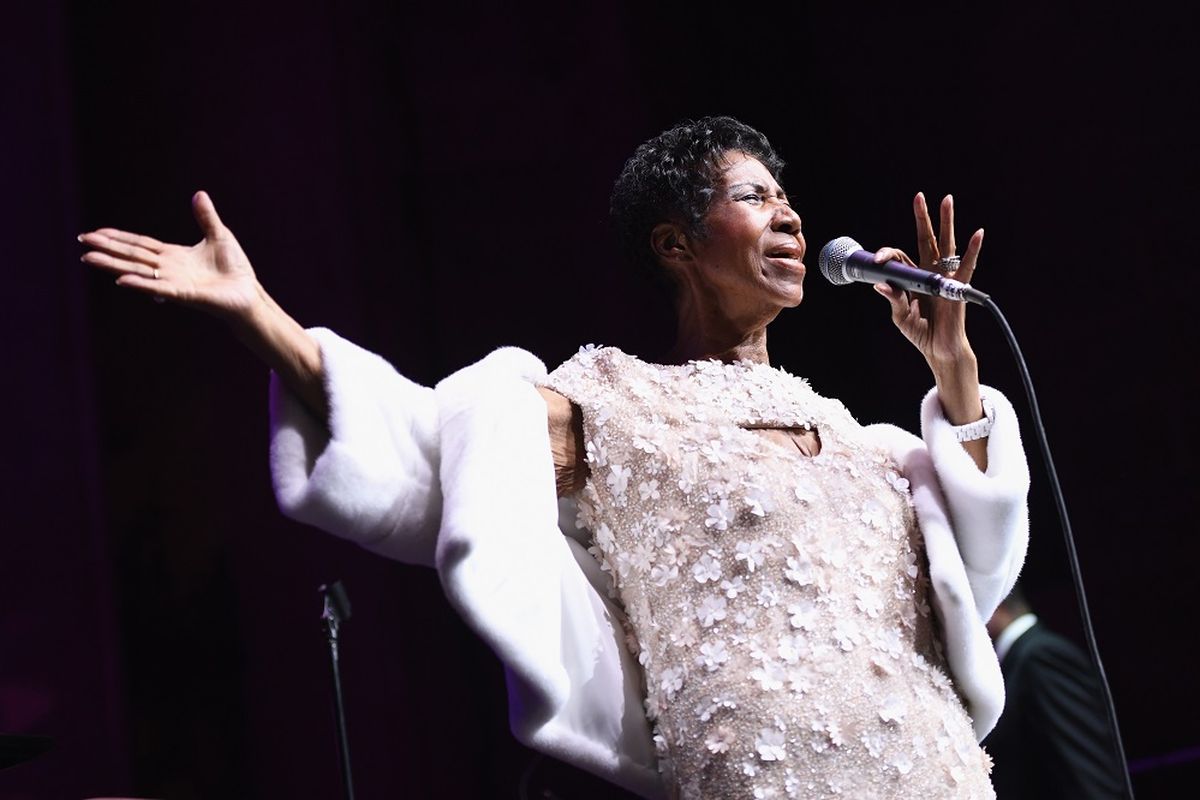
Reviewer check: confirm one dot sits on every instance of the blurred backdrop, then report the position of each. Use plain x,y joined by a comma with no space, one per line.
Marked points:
431,180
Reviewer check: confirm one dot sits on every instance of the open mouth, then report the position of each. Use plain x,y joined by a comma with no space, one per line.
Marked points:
789,255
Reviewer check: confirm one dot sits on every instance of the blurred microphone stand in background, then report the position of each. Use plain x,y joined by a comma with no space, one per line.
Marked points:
337,611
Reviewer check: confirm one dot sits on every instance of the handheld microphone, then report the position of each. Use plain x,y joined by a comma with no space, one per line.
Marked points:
843,260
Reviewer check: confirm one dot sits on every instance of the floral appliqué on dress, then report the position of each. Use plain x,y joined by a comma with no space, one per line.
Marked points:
778,603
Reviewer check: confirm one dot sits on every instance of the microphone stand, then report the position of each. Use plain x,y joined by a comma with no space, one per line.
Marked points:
337,611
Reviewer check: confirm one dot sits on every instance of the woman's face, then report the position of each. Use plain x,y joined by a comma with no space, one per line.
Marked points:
752,254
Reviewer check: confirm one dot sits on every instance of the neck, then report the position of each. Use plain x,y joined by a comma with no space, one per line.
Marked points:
705,333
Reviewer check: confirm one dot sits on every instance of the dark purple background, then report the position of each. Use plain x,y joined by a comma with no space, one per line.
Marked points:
432,183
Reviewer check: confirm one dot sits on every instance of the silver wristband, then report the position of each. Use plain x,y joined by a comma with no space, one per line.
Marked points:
980,429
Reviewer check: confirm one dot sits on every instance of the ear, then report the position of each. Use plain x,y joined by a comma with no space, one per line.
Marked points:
671,244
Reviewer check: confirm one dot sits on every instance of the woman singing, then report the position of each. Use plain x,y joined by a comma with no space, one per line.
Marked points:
704,579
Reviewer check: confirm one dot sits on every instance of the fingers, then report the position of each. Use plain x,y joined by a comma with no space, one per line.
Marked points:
944,245
946,228
898,300
159,290
927,249
905,310
119,266
892,254
206,215
135,239
891,295
931,247
125,247
967,268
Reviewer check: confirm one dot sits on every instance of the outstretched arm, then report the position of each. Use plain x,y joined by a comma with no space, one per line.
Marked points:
215,276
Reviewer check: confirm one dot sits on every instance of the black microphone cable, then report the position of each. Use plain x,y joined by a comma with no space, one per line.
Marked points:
843,261
1060,505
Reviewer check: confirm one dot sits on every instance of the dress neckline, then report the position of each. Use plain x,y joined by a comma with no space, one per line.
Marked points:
750,394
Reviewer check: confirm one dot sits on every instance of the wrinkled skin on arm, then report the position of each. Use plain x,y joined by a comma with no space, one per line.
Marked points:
564,420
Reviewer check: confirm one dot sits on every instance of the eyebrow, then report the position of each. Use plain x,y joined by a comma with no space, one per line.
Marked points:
758,187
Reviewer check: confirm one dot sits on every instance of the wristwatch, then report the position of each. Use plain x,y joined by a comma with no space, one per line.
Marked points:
978,429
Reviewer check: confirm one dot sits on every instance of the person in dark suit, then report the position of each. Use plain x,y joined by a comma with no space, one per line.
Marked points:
1053,740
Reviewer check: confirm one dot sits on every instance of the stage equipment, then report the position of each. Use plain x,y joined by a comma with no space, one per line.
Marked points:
336,611
843,260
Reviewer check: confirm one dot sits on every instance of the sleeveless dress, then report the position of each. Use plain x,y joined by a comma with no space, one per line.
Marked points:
776,602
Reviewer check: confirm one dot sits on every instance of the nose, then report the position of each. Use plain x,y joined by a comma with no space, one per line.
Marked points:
786,220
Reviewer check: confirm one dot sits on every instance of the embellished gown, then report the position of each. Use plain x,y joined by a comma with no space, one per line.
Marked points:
776,602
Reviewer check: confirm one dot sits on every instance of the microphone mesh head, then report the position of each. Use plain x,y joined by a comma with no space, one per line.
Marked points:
833,259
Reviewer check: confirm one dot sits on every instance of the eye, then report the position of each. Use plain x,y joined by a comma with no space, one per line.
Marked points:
758,198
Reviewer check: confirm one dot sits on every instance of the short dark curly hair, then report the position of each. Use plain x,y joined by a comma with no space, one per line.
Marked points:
674,176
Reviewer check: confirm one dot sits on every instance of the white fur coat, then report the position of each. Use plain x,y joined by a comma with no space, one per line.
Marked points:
459,477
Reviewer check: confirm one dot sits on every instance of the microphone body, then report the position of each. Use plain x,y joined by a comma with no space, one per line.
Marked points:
843,260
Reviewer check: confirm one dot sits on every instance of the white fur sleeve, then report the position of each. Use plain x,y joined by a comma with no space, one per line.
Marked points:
371,474
987,510
528,590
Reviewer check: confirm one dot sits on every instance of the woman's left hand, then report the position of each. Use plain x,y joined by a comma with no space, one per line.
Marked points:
937,327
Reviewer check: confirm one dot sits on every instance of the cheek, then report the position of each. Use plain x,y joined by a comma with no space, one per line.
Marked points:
733,247
738,261
741,244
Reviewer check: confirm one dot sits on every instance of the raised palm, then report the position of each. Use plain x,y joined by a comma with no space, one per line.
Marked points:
214,274
937,327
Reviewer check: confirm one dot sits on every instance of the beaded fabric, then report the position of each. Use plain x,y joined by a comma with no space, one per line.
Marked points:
778,603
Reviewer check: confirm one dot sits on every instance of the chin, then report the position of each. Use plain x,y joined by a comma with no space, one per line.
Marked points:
792,293
788,299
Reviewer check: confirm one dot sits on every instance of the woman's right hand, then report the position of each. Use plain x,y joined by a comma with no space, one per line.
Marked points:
213,275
